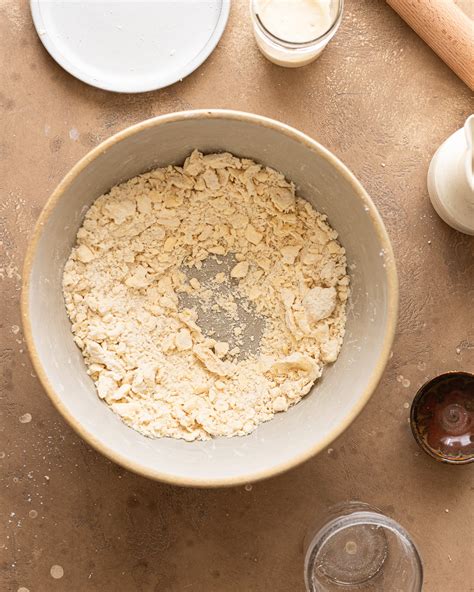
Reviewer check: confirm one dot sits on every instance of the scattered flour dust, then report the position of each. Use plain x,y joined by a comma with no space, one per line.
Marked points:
133,295
15,15
56,572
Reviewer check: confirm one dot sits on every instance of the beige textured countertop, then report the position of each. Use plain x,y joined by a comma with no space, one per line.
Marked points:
382,102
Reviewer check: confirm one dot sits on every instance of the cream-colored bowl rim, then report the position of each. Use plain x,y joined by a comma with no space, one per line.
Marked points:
390,268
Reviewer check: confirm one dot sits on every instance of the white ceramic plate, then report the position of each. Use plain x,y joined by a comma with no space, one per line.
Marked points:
130,45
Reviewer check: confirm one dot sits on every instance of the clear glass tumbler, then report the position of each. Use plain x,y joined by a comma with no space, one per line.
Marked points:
288,53
360,549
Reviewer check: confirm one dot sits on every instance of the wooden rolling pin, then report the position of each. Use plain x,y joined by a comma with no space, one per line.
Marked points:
445,28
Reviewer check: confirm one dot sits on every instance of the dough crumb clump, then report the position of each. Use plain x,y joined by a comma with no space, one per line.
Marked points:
137,257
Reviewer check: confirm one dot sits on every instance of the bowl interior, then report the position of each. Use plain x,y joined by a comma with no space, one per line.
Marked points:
335,399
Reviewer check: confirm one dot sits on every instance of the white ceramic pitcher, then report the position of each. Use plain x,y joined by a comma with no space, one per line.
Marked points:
451,179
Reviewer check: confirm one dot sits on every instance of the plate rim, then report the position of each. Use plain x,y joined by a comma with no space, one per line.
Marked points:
53,50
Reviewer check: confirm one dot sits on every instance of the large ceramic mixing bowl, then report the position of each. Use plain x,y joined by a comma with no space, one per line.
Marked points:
335,400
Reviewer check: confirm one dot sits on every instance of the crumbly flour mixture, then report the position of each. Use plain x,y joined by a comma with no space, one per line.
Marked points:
138,308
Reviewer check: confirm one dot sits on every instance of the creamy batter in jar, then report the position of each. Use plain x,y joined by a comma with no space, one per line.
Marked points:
293,33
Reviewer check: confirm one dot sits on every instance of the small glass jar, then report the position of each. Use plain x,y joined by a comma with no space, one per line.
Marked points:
293,54
359,549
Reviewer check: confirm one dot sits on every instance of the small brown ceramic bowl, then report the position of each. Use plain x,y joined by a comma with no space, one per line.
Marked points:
442,418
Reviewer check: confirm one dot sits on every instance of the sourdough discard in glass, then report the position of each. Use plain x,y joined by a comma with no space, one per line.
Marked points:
293,33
